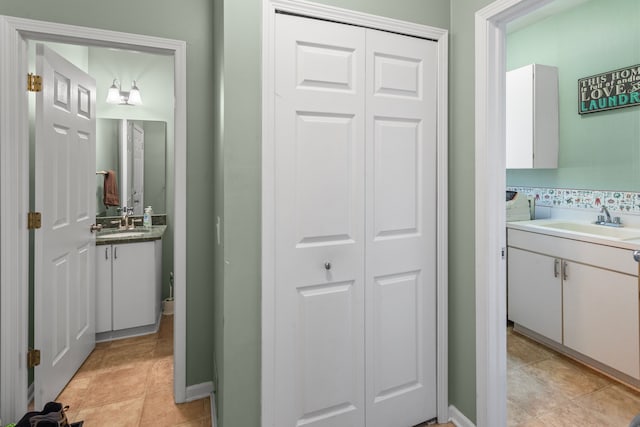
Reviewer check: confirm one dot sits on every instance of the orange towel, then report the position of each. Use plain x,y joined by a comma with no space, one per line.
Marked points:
111,196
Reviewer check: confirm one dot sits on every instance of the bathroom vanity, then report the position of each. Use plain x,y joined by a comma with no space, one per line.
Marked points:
574,287
128,282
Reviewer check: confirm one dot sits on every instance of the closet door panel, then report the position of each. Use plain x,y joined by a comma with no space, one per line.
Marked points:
319,185
400,230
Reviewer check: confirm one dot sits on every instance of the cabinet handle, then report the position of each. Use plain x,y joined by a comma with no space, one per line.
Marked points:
565,275
106,253
556,263
115,253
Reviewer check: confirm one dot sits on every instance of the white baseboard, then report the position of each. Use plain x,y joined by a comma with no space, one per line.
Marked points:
458,418
214,415
199,391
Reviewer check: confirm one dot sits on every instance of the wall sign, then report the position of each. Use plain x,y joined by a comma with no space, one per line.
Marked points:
608,91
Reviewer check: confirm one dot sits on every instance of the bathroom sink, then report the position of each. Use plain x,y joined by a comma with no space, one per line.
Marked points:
596,230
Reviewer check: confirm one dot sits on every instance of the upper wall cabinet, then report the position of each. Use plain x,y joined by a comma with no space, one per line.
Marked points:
532,117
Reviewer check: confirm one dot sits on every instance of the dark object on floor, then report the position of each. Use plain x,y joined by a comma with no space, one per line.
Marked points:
77,424
52,415
635,422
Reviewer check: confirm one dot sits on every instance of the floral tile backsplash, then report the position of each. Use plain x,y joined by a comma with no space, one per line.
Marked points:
583,199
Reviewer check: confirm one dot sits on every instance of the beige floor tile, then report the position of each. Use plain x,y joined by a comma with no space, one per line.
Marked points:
133,341
614,406
566,376
202,422
74,393
117,385
126,356
93,365
531,396
125,413
522,351
161,375
572,415
164,347
160,410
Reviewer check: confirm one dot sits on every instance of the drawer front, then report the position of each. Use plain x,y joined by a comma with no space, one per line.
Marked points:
607,257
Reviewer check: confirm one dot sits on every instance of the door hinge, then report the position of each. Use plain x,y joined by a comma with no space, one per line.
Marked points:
33,357
34,220
34,82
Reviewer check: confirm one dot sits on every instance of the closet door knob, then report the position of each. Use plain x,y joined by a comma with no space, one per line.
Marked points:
327,265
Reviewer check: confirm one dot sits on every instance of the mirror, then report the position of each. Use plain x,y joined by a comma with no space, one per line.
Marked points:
136,151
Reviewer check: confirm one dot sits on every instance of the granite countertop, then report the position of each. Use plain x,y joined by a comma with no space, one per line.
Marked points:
134,235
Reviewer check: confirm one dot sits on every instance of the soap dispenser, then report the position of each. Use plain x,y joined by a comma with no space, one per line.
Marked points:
146,218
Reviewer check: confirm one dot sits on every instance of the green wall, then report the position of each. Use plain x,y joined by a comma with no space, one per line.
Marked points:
599,151
192,21
462,333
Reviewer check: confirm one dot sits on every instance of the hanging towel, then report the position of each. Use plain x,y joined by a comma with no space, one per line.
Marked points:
111,197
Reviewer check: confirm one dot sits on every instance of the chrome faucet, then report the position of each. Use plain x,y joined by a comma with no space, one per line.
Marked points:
606,218
124,221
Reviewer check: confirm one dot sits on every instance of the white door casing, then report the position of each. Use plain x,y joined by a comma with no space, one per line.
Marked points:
319,223
14,193
490,182
64,265
321,151
400,294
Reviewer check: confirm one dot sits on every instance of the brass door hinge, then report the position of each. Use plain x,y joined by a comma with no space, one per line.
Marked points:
33,357
34,83
34,220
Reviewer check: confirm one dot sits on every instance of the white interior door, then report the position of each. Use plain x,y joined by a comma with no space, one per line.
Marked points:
64,248
319,301
355,226
401,230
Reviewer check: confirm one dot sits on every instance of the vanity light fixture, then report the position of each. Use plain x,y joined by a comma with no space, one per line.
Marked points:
120,97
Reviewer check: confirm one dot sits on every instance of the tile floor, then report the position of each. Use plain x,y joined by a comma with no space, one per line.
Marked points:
130,383
545,388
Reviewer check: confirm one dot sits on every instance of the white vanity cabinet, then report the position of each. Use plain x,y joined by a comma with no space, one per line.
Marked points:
532,117
128,285
601,316
535,292
579,295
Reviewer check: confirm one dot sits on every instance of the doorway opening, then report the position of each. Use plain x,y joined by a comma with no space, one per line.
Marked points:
491,65
14,190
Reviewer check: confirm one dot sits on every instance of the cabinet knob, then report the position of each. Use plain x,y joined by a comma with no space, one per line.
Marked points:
327,265
636,255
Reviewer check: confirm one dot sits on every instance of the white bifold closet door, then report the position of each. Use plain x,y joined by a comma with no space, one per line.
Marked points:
355,302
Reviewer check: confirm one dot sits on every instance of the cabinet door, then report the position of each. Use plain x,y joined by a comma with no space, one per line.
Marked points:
601,316
535,292
519,118
133,285
103,288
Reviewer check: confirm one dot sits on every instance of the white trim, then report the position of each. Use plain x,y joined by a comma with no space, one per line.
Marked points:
214,413
306,8
199,391
490,268
14,192
458,418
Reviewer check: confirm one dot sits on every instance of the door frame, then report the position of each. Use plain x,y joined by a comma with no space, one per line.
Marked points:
14,192
490,215
440,36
